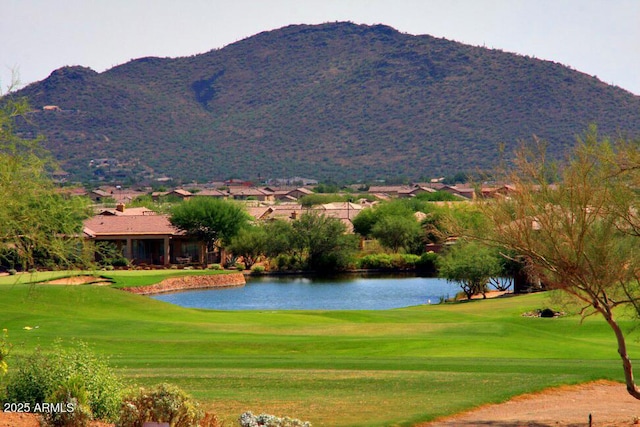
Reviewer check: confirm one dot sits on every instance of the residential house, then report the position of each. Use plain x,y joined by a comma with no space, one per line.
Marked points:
344,211
144,236
251,193
298,193
100,196
179,193
414,191
211,192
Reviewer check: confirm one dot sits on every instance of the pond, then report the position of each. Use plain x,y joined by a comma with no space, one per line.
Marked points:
304,293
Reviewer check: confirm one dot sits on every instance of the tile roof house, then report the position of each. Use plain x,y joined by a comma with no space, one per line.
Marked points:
344,211
251,193
144,238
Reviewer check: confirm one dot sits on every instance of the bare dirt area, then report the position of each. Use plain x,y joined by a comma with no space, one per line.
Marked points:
607,402
15,419
79,280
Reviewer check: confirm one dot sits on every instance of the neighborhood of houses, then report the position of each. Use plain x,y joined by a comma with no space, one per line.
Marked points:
148,238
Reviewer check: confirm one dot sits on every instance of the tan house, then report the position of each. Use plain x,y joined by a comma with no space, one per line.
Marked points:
144,237
344,211
179,193
211,192
414,191
294,194
243,193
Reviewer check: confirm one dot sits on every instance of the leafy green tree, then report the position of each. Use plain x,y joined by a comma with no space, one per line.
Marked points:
249,243
42,227
365,221
470,264
278,238
323,241
580,234
397,232
211,220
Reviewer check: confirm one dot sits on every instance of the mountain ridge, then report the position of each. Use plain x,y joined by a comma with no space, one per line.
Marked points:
335,101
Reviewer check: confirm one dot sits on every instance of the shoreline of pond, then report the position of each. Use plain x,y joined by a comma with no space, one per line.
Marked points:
185,283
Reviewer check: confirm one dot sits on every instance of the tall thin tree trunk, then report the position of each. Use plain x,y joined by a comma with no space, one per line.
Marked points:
622,350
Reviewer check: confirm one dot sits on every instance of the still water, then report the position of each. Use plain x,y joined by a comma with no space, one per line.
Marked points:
303,293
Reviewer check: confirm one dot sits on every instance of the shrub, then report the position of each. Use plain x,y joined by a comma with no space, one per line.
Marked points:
404,261
210,420
239,266
389,261
5,348
375,261
285,262
164,403
247,419
40,375
427,262
72,402
12,272
257,269
215,267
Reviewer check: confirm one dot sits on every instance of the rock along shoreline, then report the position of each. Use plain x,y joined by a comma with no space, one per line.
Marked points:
181,283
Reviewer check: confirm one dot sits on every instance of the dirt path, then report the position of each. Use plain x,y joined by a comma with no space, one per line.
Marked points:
608,403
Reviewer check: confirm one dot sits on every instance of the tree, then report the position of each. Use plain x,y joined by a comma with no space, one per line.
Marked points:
322,241
210,220
397,232
249,243
278,237
38,225
364,222
470,264
578,234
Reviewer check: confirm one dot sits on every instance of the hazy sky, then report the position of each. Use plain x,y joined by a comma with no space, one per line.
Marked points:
597,37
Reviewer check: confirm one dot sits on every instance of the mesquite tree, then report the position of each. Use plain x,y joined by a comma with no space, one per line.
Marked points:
211,220
38,225
576,226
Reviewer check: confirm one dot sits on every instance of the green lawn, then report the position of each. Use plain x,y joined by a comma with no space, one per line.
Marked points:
333,368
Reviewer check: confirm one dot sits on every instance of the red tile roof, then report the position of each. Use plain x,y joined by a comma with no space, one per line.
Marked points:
127,225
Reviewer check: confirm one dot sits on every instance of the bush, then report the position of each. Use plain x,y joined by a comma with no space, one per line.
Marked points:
389,261
285,262
215,267
5,348
427,262
165,403
39,376
257,270
375,261
72,402
247,419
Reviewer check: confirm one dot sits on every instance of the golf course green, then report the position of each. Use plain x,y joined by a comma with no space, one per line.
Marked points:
332,368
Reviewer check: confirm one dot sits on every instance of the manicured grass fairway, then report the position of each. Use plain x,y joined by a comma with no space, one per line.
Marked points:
333,368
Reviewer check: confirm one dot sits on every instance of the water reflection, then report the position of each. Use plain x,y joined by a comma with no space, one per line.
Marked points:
319,293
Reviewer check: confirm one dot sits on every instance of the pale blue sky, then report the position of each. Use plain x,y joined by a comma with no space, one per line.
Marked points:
597,37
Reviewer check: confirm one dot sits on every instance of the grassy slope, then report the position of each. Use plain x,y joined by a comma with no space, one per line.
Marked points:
334,368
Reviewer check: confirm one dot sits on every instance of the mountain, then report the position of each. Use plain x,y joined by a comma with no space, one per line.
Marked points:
334,101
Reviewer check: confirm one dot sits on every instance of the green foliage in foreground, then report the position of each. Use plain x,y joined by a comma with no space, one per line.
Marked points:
333,368
61,374
164,403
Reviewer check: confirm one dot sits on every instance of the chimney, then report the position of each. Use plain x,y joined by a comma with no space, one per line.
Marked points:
120,207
